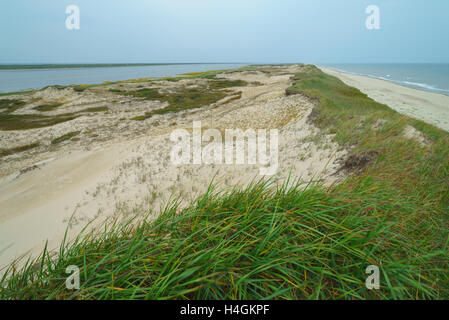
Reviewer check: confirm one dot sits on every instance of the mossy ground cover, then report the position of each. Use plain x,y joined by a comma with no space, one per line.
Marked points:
279,242
47,107
95,109
10,121
11,151
10,105
182,100
31,121
65,137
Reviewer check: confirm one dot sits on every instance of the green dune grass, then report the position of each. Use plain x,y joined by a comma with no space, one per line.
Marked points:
280,242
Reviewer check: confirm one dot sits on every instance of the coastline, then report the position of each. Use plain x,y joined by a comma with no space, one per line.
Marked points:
94,65
25,79
423,105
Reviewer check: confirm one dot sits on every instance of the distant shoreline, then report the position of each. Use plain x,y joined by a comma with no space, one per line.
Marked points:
398,83
96,65
431,107
20,78
408,84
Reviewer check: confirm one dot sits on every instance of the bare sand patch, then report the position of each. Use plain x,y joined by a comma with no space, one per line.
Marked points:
414,134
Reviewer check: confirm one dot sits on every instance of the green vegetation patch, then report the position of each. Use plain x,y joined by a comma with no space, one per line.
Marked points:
183,98
8,152
147,94
222,84
411,169
10,105
55,86
29,121
256,243
211,74
143,117
65,137
33,121
79,88
95,109
47,107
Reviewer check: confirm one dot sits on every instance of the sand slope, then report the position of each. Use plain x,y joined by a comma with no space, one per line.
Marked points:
129,171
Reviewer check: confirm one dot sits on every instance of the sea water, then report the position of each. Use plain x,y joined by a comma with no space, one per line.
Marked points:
24,79
433,77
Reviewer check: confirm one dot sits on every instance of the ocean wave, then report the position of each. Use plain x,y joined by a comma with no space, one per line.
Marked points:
423,86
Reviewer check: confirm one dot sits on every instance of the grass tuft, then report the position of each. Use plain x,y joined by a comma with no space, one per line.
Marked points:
47,107
65,137
256,243
11,151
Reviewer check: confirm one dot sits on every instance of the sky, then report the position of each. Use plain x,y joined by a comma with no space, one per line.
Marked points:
246,31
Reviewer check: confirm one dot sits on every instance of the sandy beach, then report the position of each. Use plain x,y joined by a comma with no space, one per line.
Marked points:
430,107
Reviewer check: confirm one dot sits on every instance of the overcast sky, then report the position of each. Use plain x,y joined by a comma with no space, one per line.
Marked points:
249,31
